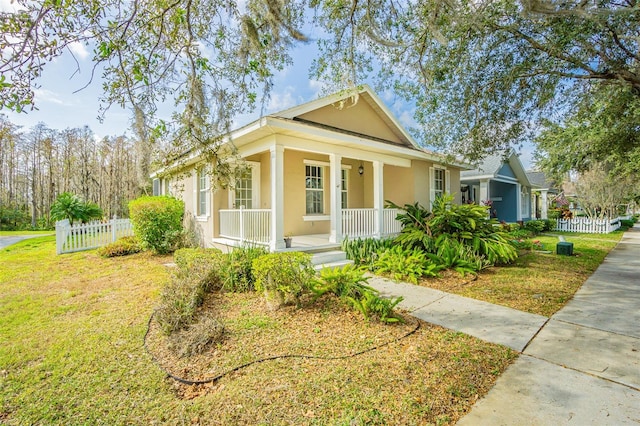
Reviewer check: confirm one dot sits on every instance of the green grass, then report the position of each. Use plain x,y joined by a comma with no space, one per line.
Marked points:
71,353
12,233
539,283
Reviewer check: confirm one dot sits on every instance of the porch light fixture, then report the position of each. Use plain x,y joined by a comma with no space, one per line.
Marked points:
360,169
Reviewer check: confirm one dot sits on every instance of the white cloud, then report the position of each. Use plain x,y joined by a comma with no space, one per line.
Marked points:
282,100
79,50
406,119
44,95
10,6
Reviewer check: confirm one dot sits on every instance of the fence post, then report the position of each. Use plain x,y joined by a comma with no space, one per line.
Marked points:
114,234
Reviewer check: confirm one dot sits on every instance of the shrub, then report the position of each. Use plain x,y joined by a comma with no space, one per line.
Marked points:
520,233
536,226
365,251
466,223
197,337
179,300
455,255
350,285
627,223
157,222
237,275
404,264
72,207
283,277
207,265
550,224
121,247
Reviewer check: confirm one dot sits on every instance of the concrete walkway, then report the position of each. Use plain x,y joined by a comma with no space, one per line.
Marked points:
581,367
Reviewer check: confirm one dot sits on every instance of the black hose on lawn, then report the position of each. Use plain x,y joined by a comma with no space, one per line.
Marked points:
221,375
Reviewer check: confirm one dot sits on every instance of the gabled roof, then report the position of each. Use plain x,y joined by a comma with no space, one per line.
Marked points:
335,119
340,103
491,166
539,180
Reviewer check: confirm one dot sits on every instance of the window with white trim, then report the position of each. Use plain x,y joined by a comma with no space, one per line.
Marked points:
524,202
344,175
203,190
438,182
314,189
244,190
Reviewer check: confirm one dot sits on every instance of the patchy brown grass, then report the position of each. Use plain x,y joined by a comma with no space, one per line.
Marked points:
71,353
538,283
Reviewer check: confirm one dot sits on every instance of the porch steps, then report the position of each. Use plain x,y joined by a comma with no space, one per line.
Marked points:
330,259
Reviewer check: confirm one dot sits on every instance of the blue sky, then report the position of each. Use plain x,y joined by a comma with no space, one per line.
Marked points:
60,104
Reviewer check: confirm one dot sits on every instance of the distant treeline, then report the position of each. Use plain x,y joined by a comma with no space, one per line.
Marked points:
41,163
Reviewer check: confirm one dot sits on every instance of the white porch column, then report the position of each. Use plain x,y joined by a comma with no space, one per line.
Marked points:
335,182
378,196
277,197
484,191
543,200
519,203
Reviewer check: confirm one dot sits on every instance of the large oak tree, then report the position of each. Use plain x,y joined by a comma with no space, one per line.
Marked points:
482,73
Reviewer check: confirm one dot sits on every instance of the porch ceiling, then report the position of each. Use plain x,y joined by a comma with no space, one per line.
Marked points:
306,134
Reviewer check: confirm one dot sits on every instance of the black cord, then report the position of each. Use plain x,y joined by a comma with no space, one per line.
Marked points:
221,375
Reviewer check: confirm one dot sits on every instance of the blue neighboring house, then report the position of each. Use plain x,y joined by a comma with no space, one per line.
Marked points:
501,181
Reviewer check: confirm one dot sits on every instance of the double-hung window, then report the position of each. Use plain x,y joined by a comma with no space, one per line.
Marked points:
202,192
244,190
343,187
314,188
438,182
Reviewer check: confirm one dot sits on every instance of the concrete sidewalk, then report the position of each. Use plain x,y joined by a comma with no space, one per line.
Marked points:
580,367
489,322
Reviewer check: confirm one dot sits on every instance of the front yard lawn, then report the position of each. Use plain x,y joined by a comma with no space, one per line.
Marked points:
538,283
71,333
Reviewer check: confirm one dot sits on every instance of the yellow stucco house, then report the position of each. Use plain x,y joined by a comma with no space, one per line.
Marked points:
319,172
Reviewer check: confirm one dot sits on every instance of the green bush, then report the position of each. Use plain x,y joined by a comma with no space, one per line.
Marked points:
179,300
550,224
237,275
350,285
536,226
72,207
520,233
454,255
627,223
283,277
205,264
365,251
466,223
405,264
121,247
14,218
157,222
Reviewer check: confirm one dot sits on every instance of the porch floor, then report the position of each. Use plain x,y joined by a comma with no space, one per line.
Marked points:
309,243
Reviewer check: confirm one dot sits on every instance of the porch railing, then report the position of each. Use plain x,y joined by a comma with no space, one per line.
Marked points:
254,226
360,223
246,225
391,226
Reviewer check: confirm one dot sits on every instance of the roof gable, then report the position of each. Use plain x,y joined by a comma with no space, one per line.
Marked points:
362,113
499,165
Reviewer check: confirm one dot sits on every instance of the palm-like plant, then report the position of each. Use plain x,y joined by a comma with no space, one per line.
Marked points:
70,206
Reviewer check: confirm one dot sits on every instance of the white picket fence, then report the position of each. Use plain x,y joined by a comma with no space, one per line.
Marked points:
588,225
87,236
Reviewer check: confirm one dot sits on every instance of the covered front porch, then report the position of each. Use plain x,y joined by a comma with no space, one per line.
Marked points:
255,226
